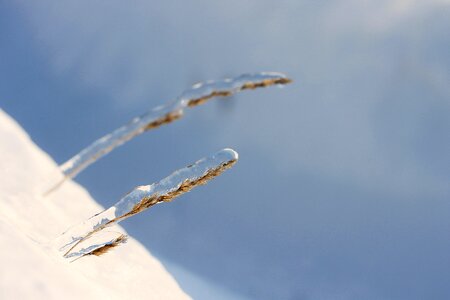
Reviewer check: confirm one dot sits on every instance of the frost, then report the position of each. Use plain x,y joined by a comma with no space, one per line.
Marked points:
198,94
140,199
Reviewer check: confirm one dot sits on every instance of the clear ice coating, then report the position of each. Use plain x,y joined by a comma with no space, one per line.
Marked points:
143,197
97,244
196,95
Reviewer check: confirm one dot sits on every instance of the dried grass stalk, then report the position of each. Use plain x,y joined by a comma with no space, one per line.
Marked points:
196,95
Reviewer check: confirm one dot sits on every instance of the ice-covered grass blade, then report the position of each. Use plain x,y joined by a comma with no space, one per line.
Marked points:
198,94
143,197
98,245
201,92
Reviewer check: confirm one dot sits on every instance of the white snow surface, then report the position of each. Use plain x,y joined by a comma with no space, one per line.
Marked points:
30,267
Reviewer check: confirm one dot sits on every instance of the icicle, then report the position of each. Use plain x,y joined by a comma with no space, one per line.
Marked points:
143,197
196,95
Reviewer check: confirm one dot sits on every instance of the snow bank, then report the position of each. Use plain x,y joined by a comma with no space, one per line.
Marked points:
30,268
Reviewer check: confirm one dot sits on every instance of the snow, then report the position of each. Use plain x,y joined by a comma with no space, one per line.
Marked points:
29,222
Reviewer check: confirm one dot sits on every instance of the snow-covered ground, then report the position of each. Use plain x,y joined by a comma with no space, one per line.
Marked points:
30,267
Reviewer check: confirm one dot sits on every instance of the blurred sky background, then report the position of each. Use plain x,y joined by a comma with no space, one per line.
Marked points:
342,189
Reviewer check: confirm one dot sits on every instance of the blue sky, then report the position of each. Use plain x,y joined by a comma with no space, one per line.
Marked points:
342,188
